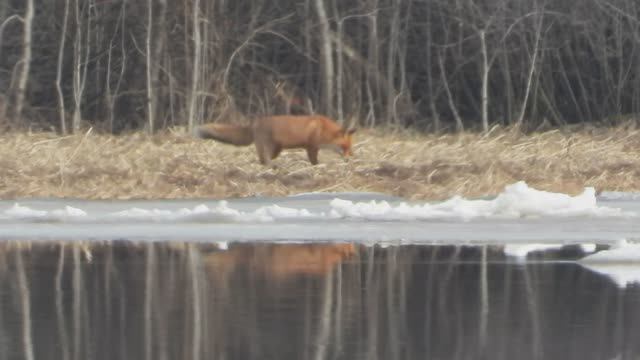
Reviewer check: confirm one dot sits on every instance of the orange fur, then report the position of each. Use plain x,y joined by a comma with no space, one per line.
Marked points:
272,134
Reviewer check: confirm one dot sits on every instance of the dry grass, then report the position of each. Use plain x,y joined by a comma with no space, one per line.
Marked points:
174,165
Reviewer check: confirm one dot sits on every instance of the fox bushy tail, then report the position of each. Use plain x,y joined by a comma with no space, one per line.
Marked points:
239,135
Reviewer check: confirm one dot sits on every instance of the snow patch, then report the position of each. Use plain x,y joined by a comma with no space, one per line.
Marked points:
19,212
219,213
516,201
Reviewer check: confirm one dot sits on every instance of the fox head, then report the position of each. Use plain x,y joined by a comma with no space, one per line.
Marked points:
344,141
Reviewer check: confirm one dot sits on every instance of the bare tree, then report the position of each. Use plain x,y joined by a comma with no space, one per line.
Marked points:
17,95
485,80
195,70
151,97
392,51
327,57
6,22
358,60
452,105
429,70
153,45
63,38
532,68
112,94
339,64
80,58
372,84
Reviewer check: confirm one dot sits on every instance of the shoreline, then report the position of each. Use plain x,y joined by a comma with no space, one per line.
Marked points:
174,165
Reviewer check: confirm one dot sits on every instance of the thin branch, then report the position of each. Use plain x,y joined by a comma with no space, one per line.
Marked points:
5,23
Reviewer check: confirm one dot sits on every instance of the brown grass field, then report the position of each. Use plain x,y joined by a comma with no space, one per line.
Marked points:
176,165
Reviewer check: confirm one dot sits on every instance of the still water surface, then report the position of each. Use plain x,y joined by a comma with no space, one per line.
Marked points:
173,300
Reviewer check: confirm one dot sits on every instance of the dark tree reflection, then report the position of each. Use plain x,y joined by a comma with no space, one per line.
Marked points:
304,301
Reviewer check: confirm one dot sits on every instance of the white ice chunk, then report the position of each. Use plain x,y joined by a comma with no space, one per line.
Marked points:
516,201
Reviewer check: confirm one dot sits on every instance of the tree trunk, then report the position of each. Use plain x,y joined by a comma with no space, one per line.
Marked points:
508,88
153,44
485,82
16,101
373,54
327,58
532,69
339,66
63,38
159,43
308,42
195,71
392,53
110,95
80,61
429,70
151,98
452,105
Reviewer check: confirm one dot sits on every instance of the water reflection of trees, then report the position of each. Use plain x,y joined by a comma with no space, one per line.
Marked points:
312,301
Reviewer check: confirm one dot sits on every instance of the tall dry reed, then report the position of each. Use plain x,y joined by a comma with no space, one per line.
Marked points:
175,165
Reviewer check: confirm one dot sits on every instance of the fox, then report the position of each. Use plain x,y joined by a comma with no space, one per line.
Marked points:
272,134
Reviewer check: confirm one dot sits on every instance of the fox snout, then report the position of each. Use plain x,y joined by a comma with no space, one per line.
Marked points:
346,142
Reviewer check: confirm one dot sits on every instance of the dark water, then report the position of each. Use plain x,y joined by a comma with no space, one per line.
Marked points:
122,300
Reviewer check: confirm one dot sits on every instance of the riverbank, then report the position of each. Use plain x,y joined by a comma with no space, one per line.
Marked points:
175,165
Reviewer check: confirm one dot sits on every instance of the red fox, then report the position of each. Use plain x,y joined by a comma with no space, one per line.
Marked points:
271,134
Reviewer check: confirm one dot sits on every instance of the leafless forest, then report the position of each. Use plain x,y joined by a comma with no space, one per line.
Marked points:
430,64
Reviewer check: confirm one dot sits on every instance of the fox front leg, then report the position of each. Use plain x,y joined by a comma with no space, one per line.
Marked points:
312,152
275,152
264,153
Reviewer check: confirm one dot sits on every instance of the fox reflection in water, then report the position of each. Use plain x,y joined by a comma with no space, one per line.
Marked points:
280,261
124,300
